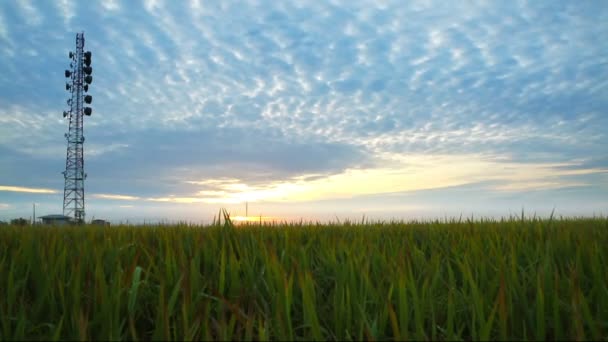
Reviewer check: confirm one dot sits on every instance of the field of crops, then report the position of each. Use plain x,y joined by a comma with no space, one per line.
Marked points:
460,280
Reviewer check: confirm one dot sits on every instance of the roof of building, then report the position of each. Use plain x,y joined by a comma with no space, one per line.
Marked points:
56,217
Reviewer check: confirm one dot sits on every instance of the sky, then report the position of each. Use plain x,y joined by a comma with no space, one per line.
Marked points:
314,110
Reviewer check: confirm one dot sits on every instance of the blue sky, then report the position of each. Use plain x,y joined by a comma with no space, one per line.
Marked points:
313,109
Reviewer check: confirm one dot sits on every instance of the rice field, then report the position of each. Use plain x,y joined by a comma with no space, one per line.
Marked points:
515,279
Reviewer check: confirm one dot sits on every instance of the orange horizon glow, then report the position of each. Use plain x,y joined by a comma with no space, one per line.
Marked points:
247,219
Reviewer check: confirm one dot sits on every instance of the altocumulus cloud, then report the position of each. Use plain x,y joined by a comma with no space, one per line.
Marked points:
300,95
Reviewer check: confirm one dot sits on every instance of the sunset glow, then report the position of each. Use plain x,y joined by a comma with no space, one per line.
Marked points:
253,219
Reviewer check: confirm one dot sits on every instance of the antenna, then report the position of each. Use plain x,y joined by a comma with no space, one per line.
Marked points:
79,79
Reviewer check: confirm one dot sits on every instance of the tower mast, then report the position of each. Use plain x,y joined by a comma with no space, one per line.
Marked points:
79,78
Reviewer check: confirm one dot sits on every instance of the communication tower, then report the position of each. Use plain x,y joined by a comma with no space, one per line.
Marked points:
79,78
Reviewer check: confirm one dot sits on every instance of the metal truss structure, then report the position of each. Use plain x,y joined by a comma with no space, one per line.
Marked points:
79,78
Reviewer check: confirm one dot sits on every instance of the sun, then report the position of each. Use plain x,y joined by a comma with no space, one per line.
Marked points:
243,218
246,219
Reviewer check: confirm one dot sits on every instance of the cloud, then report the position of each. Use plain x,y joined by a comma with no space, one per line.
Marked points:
267,92
4,206
181,200
111,5
67,10
115,197
29,190
162,165
398,175
30,13
417,172
4,33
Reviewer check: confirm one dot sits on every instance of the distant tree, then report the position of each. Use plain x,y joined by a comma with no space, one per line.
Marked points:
19,222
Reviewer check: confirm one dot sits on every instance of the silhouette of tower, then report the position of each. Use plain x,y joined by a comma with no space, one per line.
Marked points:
79,78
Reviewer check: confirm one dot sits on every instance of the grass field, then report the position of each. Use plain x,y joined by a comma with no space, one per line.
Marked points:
515,279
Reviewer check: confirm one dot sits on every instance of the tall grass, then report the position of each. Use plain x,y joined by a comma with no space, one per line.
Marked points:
461,280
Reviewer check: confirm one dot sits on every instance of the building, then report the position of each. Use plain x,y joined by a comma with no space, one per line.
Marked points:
56,220
102,223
